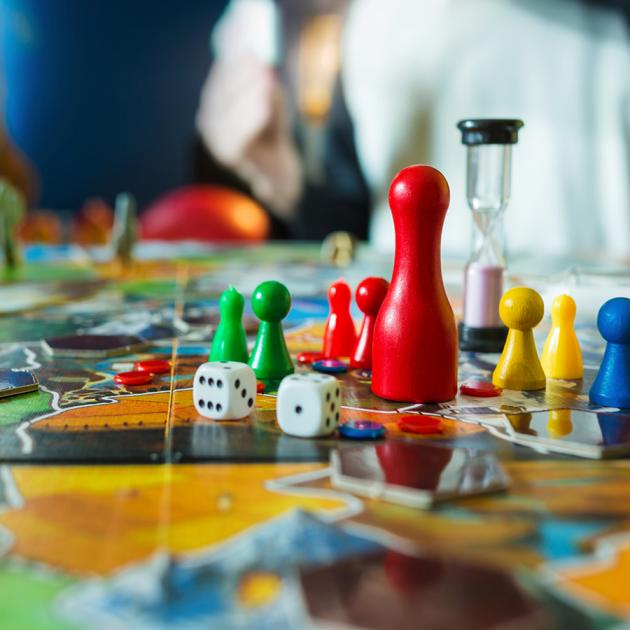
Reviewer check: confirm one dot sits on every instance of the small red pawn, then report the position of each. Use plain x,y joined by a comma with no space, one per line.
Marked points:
369,296
340,335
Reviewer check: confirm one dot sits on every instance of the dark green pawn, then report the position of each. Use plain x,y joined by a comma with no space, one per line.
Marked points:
270,358
229,342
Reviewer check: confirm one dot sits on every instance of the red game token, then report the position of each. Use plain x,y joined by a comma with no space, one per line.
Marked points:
307,358
423,425
260,387
482,389
133,378
155,366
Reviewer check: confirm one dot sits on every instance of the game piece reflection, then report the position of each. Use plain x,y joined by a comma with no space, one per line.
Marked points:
615,428
414,473
393,590
399,464
559,423
520,422
571,431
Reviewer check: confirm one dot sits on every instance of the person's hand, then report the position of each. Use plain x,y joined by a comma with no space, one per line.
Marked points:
244,123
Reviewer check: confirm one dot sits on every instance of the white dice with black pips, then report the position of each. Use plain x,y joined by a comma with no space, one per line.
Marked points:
224,390
308,404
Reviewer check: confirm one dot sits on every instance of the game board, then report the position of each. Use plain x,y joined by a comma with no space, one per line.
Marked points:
80,517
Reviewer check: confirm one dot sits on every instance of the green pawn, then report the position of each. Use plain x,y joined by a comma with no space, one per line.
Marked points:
12,212
270,357
229,342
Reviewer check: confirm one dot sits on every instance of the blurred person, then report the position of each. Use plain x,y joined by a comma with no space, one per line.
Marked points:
408,73
272,117
562,67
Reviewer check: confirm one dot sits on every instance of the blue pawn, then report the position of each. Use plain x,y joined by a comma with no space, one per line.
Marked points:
612,385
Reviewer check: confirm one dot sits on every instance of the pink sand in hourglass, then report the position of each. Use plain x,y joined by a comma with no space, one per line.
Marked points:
483,289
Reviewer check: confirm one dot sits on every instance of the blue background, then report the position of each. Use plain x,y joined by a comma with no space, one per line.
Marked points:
101,94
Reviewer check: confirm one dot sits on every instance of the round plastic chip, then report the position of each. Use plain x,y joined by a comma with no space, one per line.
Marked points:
330,366
420,424
133,378
155,366
361,430
482,389
306,358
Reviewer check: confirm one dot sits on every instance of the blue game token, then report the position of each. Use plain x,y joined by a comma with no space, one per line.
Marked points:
330,366
361,430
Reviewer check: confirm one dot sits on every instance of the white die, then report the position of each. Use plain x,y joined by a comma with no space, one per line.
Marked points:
308,404
224,390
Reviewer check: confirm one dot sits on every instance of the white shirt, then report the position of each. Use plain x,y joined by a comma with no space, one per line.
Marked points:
413,68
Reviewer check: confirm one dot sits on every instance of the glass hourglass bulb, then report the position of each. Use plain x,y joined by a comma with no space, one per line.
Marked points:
489,150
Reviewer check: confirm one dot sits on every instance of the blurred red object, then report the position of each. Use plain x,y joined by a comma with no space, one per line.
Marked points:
204,213
41,226
93,224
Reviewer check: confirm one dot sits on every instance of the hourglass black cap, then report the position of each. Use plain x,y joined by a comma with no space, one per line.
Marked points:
489,130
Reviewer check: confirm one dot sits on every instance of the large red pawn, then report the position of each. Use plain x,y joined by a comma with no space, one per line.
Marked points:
369,296
415,338
340,335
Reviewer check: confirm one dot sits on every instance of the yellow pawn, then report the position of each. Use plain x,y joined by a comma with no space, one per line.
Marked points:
560,423
561,356
520,309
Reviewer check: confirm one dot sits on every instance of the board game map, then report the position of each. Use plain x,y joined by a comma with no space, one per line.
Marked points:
122,508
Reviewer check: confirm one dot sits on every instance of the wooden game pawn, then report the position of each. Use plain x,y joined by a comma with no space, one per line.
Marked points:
270,358
561,356
369,297
340,335
611,387
229,342
414,353
520,309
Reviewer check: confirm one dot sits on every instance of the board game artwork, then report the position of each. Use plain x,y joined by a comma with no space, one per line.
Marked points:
223,509
315,315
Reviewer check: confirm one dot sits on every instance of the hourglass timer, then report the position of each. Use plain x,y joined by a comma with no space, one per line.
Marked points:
488,171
